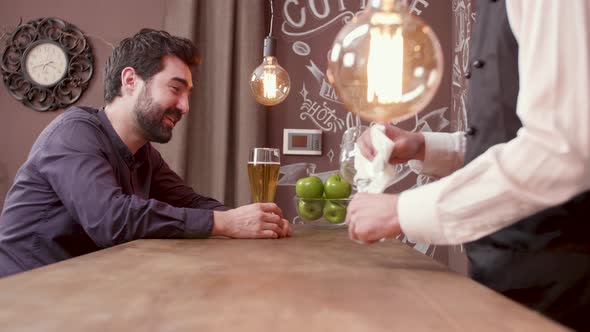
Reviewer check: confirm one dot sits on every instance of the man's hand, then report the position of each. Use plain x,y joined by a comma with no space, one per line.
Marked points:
408,145
372,217
254,221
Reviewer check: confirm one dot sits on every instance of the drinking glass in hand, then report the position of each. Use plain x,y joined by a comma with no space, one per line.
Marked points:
263,171
347,153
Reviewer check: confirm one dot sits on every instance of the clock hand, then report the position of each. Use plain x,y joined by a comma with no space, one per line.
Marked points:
43,64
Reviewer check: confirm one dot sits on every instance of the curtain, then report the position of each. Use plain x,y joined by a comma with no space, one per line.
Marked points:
210,145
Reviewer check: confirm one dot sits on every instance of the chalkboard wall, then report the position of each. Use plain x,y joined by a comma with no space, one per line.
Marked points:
305,30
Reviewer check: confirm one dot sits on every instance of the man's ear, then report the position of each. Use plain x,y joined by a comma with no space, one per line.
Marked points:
129,81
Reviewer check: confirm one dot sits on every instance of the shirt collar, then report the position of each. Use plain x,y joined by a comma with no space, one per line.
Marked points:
132,161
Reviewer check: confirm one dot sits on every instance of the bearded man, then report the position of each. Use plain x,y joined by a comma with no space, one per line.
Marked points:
93,180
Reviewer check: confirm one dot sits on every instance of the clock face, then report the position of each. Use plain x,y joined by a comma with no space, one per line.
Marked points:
46,63
43,70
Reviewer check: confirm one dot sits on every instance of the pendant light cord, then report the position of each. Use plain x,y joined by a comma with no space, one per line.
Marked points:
272,15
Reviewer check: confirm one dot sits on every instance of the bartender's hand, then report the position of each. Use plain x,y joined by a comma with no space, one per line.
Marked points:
372,217
408,145
254,221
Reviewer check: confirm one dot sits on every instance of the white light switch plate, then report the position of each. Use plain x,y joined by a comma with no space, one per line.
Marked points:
302,141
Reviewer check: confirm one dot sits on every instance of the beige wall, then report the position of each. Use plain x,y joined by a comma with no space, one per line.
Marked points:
105,22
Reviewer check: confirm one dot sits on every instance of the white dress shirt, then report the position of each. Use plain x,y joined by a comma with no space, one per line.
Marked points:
547,163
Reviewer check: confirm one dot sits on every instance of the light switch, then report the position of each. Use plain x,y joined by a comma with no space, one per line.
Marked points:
302,141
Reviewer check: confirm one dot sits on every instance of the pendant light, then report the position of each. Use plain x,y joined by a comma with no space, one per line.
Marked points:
385,64
270,83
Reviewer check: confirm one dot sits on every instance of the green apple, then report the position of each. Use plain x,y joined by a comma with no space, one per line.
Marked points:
309,187
336,187
334,212
310,209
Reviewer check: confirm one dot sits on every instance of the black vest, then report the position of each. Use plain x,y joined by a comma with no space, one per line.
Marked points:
542,261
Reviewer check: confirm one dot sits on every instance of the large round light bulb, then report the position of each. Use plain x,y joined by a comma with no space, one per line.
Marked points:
385,64
270,84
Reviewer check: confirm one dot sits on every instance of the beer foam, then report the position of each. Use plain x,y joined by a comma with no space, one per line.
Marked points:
263,163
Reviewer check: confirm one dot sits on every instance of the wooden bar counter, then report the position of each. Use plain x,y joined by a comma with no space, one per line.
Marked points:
318,280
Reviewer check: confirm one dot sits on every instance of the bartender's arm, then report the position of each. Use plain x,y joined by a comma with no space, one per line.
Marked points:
431,154
545,165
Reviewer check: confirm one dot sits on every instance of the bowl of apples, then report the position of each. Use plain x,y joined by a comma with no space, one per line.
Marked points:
322,203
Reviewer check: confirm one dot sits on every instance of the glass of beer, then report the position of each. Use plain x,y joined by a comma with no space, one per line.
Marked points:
263,171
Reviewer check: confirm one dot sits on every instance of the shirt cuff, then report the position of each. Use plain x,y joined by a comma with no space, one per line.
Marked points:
417,214
441,152
198,223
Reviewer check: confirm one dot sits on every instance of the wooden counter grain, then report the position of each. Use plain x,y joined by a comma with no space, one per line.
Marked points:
317,280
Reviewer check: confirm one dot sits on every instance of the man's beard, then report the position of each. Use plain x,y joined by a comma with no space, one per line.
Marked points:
150,115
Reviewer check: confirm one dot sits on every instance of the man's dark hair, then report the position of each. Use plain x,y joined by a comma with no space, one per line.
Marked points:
144,52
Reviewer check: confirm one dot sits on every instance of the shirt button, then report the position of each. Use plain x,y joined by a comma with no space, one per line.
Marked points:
470,131
478,64
468,74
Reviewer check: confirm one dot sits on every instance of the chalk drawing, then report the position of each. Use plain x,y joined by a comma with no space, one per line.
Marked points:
321,114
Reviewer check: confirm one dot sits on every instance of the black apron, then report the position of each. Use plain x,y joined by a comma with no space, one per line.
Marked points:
542,261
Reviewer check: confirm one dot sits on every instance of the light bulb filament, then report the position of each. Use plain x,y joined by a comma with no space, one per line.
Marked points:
385,66
269,83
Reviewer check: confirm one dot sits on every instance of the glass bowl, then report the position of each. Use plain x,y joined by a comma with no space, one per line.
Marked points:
321,211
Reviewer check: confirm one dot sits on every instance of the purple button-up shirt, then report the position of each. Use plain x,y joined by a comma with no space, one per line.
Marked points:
82,190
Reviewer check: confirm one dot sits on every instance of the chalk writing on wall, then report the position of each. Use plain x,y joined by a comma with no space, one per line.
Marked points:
320,113
307,29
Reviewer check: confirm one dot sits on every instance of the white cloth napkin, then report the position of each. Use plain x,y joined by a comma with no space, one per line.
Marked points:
377,175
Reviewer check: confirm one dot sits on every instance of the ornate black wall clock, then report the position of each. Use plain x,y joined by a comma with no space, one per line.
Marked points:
47,64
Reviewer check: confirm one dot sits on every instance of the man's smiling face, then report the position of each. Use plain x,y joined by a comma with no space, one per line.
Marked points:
163,101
